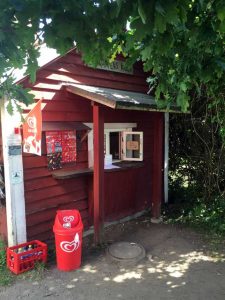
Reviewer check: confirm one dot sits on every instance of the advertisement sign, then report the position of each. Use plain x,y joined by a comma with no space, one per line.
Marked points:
61,148
32,130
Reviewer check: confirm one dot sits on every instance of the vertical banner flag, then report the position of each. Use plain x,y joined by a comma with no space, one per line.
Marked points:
32,130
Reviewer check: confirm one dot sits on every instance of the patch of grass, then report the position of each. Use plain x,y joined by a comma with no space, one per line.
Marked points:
209,216
37,273
6,277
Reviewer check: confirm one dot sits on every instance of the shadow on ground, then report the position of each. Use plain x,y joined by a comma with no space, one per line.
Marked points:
178,266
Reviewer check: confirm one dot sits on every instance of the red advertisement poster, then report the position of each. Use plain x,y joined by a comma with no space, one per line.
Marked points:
32,129
62,141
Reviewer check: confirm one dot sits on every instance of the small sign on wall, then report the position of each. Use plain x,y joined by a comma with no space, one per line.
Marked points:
132,145
16,177
15,150
116,66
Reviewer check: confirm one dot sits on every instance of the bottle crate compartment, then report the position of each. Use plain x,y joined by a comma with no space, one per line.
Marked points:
22,257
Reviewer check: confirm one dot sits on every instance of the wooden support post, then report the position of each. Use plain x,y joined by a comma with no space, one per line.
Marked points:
157,165
98,126
13,171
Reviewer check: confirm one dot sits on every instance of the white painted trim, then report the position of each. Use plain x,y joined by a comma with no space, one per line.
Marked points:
107,142
14,182
124,136
90,149
120,126
166,156
108,127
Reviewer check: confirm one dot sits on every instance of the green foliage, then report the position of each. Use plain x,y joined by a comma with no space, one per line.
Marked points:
180,42
2,255
197,169
201,215
37,273
6,276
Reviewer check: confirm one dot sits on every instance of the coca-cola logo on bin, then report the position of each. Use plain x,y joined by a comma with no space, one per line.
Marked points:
71,246
68,219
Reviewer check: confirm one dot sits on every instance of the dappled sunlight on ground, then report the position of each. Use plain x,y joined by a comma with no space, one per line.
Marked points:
127,275
176,268
170,278
89,269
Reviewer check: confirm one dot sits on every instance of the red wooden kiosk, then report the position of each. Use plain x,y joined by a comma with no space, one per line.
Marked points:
99,105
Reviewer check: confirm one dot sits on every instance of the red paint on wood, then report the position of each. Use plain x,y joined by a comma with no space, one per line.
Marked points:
31,185
98,125
125,192
65,116
44,231
49,214
34,229
129,191
69,185
3,224
73,197
88,80
34,161
71,68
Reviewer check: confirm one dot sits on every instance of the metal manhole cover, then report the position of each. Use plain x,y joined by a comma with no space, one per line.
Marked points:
126,251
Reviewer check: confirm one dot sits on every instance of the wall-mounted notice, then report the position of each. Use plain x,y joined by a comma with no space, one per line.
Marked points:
15,150
132,145
16,177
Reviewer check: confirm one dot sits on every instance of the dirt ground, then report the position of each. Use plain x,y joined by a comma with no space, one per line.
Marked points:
179,266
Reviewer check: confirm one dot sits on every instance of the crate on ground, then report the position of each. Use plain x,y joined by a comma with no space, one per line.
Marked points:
22,257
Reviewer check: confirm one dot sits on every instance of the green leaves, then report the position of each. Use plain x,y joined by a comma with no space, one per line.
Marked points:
181,43
221,13
167,12
183,100
141,12
160,23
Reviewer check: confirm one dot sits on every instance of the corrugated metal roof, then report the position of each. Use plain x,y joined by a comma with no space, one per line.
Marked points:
118,99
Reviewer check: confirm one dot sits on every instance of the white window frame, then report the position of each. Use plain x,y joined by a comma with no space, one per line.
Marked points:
124,146
107,146
112,127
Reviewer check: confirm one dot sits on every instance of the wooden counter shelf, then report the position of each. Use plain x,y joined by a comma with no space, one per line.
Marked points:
68,173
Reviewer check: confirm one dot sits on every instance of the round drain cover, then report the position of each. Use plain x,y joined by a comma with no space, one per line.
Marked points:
126,251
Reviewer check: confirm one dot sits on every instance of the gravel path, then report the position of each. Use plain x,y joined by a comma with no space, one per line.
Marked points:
178,266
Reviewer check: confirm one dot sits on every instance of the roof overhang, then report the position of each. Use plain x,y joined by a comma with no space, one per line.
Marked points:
56,126
118,99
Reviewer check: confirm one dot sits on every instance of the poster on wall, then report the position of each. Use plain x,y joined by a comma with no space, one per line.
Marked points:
54,161
32,130
61,148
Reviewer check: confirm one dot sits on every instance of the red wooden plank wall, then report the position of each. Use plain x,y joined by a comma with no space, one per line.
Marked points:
130,191
44,194
3,223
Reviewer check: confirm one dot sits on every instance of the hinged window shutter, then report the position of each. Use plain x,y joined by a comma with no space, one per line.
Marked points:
132,145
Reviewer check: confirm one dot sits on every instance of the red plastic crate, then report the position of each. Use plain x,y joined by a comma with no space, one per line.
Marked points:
24,261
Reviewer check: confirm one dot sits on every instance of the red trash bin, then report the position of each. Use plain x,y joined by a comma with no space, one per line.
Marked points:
68,230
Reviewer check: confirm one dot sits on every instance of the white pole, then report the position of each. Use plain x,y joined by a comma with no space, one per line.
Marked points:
13,171
166,156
